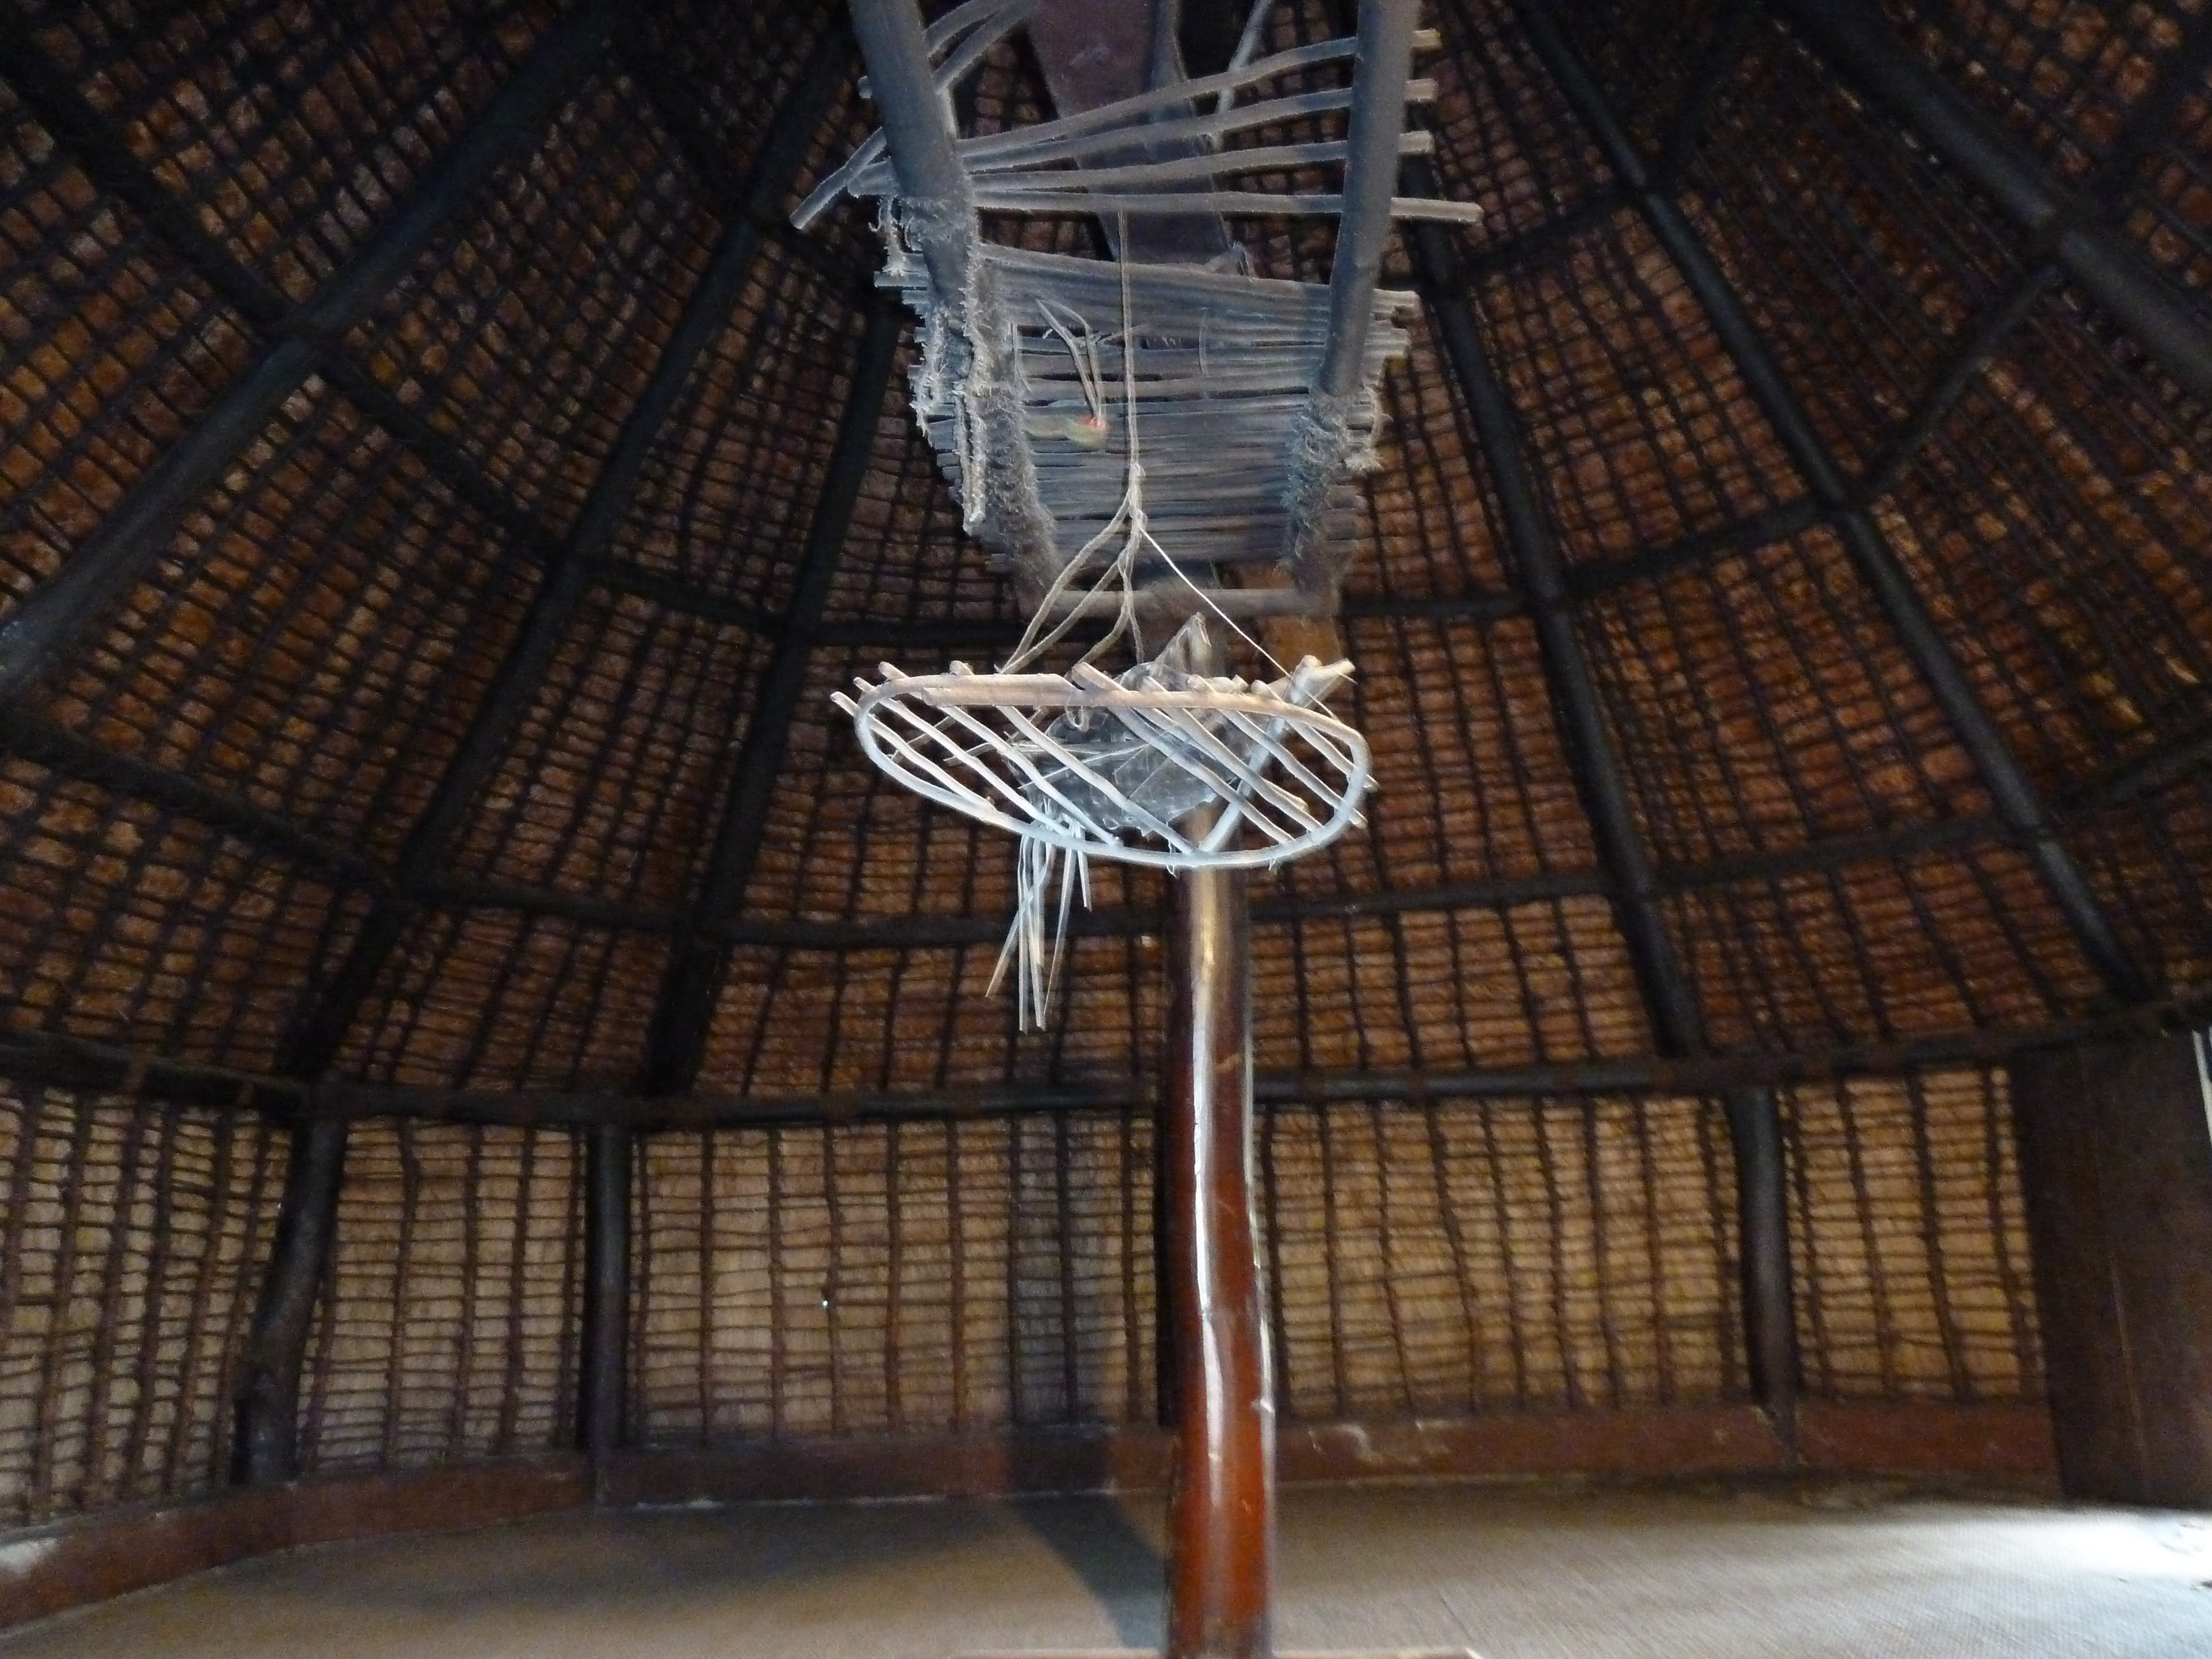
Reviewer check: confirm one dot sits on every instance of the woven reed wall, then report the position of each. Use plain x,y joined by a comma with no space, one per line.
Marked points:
321,632
1909,1242
131,1244
1458,1258
446,1328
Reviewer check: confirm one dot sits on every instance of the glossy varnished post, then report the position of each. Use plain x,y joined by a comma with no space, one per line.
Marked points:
1221,1521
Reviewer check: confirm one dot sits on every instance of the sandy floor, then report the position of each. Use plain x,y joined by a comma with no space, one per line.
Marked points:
1513,1574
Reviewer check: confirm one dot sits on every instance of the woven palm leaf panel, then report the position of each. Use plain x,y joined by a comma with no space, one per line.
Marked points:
396,749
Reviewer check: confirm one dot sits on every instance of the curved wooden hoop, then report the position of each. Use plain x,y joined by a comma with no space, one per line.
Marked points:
1334,769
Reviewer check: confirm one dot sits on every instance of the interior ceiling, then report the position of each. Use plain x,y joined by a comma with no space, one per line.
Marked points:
441,495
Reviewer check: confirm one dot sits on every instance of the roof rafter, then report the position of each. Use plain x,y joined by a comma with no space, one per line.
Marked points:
1676,1027
51,619
568,577
54,1060
1670,1002
701,955
1860,43
2002,771
112,165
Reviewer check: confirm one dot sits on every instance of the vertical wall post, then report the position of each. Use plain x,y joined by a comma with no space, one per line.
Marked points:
1770,1320
1601,778
603,1376
2116,1165
1221,1513
266,1448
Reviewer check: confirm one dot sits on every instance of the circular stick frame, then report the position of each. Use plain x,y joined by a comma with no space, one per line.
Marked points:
1287,777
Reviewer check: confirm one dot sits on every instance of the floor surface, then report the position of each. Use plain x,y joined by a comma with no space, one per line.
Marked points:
1513,1573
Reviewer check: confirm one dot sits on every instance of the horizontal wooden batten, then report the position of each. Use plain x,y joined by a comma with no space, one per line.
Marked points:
2002,1442
56,1060
96,1557
49,1569
1654,1441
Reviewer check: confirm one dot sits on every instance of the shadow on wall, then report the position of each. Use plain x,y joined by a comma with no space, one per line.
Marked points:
1118,1562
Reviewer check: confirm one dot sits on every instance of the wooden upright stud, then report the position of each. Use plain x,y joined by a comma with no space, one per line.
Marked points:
600,1404
1769,1325
265,1449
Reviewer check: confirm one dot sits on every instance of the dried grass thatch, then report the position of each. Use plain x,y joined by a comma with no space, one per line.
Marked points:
438,495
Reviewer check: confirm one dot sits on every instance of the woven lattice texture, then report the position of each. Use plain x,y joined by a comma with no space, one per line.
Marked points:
1913,1280
1464,1257
446,1328
129,1252
348,675
436,503
1461,1258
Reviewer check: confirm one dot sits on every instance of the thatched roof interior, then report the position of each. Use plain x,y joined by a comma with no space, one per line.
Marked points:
442,492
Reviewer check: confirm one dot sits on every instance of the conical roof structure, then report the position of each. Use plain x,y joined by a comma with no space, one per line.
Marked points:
442,492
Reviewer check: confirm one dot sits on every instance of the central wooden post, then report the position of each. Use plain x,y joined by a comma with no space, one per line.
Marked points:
1221,1516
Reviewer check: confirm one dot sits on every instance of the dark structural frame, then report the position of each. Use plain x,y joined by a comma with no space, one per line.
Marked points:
2075,244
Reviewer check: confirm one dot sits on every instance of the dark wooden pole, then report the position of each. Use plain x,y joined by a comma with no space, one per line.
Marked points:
700,957
2013,788
1221,1517
1770,1324
575,565
1865,48
604,1372
266,1449
2116,1165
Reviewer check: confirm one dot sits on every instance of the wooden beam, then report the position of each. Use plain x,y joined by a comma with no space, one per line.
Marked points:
49,91
932,933
321,1034
1763,1291
2180,76
52,1060
1769,1322
1380,72
701,955
729,192
1885,573
265,1449
59,750
1717,67
1592,758
1322,442
115,169
50,620
940,203
602,1413
1860,45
